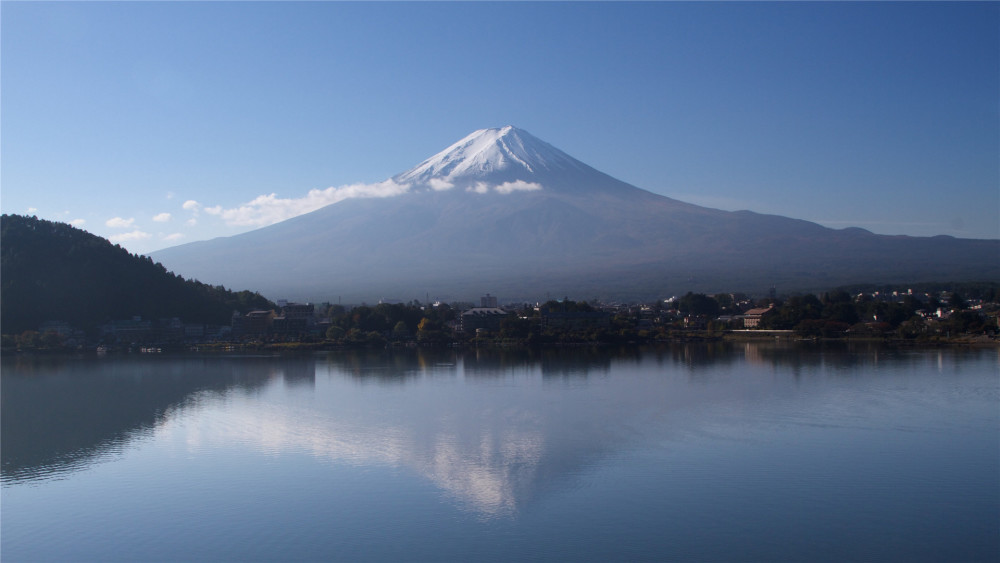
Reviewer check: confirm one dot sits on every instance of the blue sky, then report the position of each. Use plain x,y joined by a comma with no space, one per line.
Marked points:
143,122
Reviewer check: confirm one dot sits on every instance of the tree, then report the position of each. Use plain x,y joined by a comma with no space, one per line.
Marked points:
841,312
29,340
795,310
55,271
51,341
400,331
964,322
430,331
374,339
517,328
724,300
427,324
837,296
699,304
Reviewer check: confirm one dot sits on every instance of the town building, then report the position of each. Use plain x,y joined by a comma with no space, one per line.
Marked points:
751,318
487,318
254,323
294,319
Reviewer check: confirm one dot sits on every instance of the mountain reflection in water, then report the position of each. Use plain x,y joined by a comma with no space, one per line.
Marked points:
486,432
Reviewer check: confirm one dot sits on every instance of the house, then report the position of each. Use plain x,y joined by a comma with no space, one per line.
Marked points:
131,331
751,318
302,311
255,323
293,319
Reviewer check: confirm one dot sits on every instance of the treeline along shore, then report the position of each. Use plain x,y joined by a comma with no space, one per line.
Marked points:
945,317
67,290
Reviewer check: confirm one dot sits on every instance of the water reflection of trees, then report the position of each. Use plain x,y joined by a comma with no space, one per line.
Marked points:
834,358
58,413
394,366
398,366
61,413
694,355
402,365
551,362
797,357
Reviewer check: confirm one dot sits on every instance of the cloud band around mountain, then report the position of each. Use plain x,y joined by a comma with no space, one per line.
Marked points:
269,209
517,186
505,188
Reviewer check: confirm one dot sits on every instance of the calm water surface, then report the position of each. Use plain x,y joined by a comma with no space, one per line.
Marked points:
694,452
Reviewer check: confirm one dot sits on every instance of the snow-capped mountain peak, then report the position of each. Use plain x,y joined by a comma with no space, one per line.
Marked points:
502,209
496,156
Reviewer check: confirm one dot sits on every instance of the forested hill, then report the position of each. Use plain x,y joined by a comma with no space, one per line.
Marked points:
53,271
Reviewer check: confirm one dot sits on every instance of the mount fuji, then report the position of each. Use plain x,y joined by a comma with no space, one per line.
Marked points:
501,211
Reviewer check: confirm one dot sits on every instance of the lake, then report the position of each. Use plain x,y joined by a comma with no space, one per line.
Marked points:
689,452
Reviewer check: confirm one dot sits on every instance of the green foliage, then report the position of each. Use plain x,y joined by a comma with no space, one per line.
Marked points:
519,329
841,312
400,331
880,311
52,271
698,304
792,312
389,321
374,339
964,322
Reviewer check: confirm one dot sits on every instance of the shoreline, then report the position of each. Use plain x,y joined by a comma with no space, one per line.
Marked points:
773,336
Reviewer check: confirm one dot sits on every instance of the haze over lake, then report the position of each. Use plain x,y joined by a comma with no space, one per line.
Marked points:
687,452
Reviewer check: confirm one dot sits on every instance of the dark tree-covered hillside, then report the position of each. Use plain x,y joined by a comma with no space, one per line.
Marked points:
53,271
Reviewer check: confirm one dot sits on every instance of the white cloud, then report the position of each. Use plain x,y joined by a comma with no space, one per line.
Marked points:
517,186
270,209
161,218
77,222
32,209
174,236
119,223
191,222
132,235
439,185
191,205
505,188
170,195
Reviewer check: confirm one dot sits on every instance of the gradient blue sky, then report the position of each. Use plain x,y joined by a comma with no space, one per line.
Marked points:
877,115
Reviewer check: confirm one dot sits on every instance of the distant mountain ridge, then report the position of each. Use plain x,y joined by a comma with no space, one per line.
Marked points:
505,212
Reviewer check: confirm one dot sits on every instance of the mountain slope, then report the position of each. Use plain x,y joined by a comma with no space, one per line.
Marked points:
504,212
52,271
